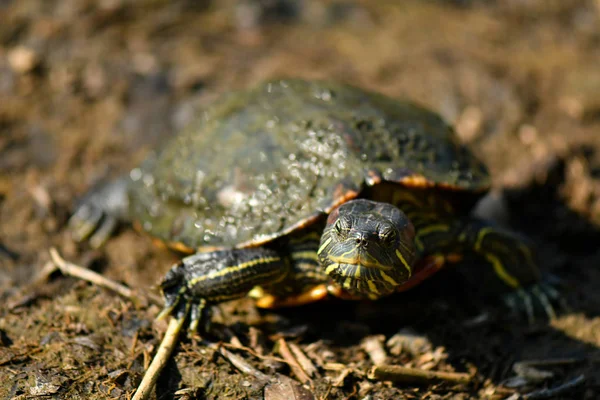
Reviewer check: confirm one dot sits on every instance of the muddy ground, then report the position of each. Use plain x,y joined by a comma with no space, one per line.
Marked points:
86,87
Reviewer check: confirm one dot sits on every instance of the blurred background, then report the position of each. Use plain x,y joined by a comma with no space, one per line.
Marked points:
87,87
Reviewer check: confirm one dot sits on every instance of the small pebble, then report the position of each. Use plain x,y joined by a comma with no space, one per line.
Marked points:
22,59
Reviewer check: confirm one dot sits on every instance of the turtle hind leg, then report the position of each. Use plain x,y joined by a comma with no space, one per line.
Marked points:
98,213
542,298
510,270
497,263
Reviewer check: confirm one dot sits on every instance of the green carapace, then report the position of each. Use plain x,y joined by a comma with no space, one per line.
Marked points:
295,190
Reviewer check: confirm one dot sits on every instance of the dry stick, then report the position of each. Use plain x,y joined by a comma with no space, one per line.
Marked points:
68,268
413,375
43,275
252,352
88,275
284,351
160,359
305,362
242,365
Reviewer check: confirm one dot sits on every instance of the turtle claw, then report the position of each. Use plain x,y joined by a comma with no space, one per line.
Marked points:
537,302
178,302
200,313
85,221
98,213
106,228
174,290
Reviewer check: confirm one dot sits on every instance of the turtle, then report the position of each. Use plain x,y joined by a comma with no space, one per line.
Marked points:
296,190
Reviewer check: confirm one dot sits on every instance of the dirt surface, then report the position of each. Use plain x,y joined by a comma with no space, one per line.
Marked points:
87,87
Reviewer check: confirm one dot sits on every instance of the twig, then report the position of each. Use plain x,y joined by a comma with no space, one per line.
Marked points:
339,381
305,362
555,391
373,346
334,366
326,395
160,359
242,365
254,353
68,268
43,275
283,349
413,375
77,271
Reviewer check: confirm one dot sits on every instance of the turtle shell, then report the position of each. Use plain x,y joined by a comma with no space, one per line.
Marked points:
263,162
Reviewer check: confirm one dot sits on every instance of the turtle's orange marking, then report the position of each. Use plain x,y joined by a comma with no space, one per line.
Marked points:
178,246
427,267
315,294
159,243
340,293
342,195
417,181
163,244
423,270
454,257
374,177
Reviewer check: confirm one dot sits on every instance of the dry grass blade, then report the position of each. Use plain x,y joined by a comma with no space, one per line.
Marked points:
413,375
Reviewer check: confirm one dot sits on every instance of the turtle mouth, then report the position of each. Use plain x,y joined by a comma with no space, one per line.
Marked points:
364,280
360,259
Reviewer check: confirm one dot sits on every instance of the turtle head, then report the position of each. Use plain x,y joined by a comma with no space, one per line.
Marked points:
368,248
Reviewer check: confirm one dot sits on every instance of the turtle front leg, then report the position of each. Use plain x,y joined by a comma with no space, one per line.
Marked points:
204,279
506,265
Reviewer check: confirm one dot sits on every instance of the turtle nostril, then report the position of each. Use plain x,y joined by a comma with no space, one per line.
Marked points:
361,240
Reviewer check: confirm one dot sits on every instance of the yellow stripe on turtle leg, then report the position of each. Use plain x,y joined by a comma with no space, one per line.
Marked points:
496,263
501,271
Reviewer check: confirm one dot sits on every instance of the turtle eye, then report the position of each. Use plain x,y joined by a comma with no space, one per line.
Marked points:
338,227
341,227
387,237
